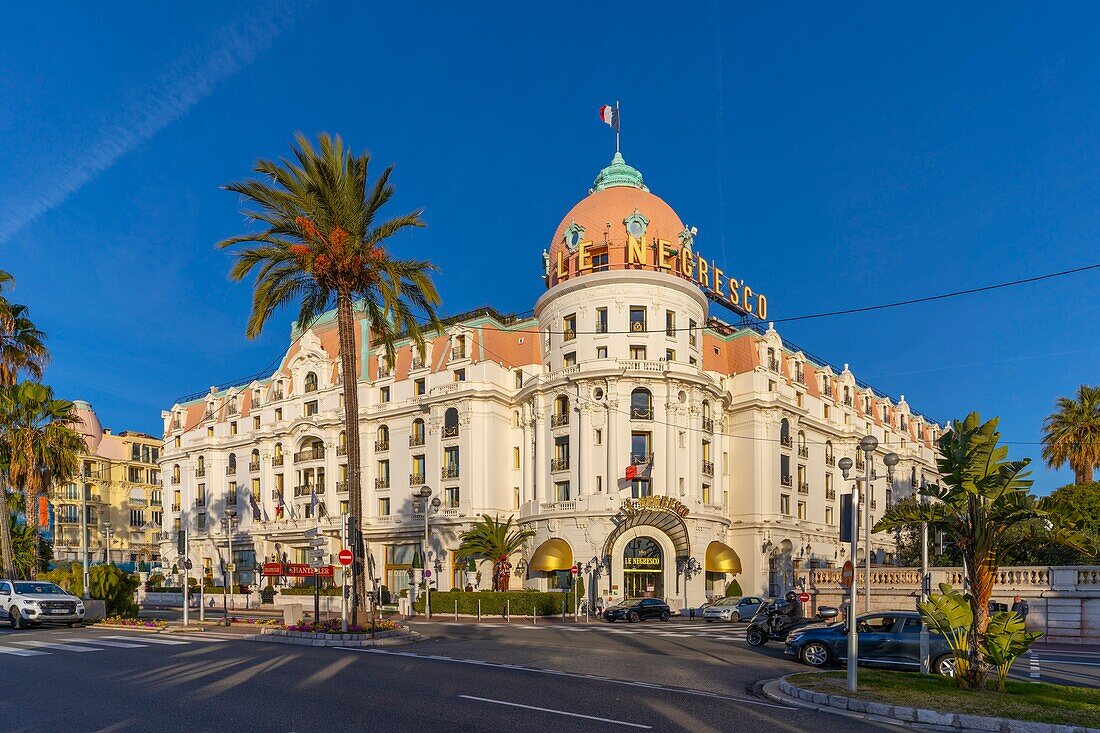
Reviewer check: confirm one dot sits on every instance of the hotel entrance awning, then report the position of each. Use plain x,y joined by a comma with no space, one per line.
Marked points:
554,554
722,559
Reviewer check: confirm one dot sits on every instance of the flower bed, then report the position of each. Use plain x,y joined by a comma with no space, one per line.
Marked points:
327,633
332,626
272,622
141,623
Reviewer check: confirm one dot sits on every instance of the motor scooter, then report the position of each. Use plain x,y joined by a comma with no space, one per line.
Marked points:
762,628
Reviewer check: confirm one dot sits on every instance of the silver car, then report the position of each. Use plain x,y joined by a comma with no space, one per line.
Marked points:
732,608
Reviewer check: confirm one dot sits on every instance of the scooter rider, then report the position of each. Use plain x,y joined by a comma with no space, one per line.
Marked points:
789,612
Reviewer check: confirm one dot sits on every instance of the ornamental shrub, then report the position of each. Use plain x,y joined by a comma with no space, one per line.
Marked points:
494,603
116,588
734,588
307,590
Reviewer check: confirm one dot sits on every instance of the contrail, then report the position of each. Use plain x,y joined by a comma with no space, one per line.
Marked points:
187,82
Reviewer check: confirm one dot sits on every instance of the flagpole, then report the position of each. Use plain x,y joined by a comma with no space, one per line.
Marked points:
619,123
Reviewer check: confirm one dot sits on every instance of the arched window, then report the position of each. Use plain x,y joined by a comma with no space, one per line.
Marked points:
202,463
232,467
311,382
803,451
847,395
382,441
561,412
254,460
417,437
641,404
450,423
785,433
830,459
708,421
342,443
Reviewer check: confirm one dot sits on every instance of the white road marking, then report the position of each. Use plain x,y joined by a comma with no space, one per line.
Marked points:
556,712
20,652
104,642
56,645
150,640
558,673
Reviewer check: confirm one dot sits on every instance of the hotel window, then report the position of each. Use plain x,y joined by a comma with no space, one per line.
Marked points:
601,352
706,494
384,394
278,414
134,474
599,484
670,355
420,386
828,515
561,491
519,379
459,350
641,404
670,324
825,411
801,510
640,487
725,463
569,327
345,506
419,470
637,352
176,500
383,474
601,320
311,408
828,485
515,418
771,385
200,495
599,262
597,437
384,506
178,442
637,319
460,375
233,428
515,497
692,338
450,497
784,504
450,461
256,422
561,454
798,398
137,518
515,458
256,491
231,494
640,449
311,382
156,497
210,431
569,359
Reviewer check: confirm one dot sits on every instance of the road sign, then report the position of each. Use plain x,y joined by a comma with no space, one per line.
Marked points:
345,557
318,542
316,555
311,532
427,573
575,570
804,597
847,574
230,568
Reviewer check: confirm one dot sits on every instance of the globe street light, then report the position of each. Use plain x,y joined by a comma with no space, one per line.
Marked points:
845,465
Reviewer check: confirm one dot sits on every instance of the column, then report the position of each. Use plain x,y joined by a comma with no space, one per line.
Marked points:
669,459
584,463
526,456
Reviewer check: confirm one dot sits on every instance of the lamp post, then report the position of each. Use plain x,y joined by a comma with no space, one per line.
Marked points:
688,567
227,522
845,465
424,494
107,541
84,536
925,587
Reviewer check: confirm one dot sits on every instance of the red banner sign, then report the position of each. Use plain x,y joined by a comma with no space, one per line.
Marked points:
297,570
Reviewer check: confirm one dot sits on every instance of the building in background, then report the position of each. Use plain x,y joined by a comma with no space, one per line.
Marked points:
661,450
121,481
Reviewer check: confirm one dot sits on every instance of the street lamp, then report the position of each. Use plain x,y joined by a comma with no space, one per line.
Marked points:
688,567
227,523
845,465
425,493
107,541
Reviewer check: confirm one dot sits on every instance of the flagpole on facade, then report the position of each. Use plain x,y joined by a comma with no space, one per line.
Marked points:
618,124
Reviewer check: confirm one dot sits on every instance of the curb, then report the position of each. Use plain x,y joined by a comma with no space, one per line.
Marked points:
780,690
297,638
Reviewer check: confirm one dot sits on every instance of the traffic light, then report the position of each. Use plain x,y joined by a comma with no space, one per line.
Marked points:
187,563
181,541
846,518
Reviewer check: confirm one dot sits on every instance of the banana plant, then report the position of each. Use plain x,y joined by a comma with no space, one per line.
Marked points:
1005,640
949,613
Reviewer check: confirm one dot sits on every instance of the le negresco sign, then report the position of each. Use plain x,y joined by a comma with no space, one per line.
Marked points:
668,504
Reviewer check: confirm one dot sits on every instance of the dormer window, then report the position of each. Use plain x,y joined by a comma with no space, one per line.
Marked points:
311,382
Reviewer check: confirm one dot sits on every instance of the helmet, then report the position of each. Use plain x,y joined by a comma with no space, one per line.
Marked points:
791,595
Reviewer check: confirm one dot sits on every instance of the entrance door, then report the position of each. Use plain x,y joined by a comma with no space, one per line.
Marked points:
643,569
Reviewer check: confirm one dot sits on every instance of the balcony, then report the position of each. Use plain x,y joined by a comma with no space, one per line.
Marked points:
569,334
230,470
417,363
176,508
641,413
450,432
308,489
641,459
253,466
231,500
786,441
860,462
165,536
341,487
276,396
415,441
601,326
708,424
830,494
848,401
773,364
830,459
799,377
175,479
559,464
310,454
200,472
803,487
277,460
560,420
458,354
803,451
382,482
200,502
383,373
381,445
417,479
341,450
449,471
786,480
874,505
708,468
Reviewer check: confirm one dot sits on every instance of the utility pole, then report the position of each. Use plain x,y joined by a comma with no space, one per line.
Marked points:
83,536
184,562
868,496
925,583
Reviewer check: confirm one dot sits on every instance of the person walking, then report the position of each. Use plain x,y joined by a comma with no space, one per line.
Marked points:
1020,608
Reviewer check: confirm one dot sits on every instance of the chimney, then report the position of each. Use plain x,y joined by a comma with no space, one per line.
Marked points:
106,431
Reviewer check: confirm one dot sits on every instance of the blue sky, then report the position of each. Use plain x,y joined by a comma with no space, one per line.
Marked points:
835,156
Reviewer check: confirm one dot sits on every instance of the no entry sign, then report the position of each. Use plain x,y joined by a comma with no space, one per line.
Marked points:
847,574
574,570
345,557
804,597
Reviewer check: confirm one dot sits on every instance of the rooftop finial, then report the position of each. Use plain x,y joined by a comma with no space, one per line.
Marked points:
618,174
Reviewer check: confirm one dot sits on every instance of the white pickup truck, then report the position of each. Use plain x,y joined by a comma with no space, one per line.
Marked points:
27,602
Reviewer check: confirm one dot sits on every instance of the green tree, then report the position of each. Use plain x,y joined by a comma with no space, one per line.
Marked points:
26,558
22,348
496,541
38,442
1071,434
322,241
983,497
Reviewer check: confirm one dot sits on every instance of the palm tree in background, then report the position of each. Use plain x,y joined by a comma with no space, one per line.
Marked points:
495,541
22,348
1072,434
322,242
39,444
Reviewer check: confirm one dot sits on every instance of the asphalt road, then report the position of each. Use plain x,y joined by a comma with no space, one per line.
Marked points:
490,677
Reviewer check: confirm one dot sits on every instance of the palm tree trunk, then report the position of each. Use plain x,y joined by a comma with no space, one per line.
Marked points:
30,512
982,573
345,321
8,568
1083,473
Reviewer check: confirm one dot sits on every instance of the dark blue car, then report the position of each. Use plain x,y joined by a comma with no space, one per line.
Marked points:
886,638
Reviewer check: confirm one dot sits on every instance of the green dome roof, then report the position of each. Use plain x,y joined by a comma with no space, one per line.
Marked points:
618,174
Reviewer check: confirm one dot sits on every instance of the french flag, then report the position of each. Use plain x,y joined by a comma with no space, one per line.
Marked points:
610,116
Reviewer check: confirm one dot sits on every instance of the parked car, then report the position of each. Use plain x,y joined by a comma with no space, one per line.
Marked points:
732,608
27,602
885,638
638,609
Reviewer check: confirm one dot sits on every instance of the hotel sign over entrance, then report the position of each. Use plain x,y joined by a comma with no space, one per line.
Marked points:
668,504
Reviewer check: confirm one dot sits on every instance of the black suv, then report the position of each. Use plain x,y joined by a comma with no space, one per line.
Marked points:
638,609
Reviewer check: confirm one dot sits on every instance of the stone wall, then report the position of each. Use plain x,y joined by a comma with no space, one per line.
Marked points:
1064,601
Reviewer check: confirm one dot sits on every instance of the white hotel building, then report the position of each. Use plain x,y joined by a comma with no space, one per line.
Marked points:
734,432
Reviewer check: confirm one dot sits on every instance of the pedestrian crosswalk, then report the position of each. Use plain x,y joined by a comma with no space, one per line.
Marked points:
11,645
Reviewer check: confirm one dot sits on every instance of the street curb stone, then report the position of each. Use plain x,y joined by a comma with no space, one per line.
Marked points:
301,638
783,691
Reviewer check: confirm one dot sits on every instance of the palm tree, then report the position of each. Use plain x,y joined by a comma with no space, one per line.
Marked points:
495,541
39,443
322,242
22,347
1072,434
983,498
27,558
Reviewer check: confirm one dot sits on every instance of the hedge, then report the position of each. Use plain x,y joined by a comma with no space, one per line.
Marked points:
521,603
307,590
